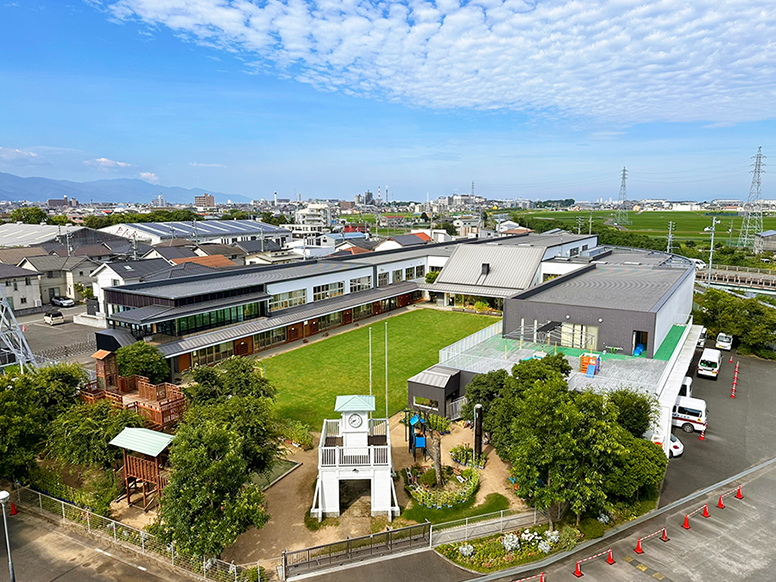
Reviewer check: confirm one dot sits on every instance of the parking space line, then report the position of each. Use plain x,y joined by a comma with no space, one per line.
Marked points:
646,569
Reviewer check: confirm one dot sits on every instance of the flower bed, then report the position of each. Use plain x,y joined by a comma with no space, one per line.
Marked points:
464,455
456,490
501,551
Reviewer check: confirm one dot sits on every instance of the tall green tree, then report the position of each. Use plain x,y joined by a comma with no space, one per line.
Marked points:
28,215
143,359
639,468
81,434
636,411
595,449
235,376
22,419
208,501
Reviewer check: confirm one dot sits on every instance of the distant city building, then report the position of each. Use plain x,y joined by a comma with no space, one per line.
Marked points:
57,203
204,201
160,202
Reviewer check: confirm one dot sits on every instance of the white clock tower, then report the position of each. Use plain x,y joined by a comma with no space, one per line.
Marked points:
356,446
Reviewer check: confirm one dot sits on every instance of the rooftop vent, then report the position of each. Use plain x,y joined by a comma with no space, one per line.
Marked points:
485,268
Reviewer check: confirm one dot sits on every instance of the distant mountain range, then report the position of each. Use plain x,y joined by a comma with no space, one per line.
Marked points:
15,188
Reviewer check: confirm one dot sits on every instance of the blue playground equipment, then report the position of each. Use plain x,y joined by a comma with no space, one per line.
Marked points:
417,436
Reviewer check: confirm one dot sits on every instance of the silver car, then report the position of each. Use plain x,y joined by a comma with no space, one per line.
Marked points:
724,342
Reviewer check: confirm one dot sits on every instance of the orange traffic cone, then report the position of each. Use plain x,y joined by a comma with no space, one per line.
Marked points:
706,510
638,549
738,493
541,578
14,511
720,505
610,558
664,537
731,360
686,522
578,572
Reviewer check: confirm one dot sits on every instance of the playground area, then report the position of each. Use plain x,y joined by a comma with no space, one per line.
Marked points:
289,499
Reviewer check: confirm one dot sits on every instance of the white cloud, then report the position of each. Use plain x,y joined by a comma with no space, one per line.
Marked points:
18,157
106,164
628,61
198,165
149,177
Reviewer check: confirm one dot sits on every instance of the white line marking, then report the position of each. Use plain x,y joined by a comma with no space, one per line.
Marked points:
143,569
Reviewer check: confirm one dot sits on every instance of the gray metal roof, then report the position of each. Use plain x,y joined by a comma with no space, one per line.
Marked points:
469,290
257,246
52,263
613,286
14,256
510,267
157,313
234,279
355,403
407,240
545,240
206,228
437,376
181,270
767,233
170,253
24,235
13,272
142,440
384,257
135,269
286,317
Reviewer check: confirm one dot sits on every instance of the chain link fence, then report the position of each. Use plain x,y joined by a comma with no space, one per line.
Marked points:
133,539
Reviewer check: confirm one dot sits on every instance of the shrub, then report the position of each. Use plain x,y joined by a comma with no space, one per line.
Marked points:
591,528
510,542
298,433
428,478
481,306
568,538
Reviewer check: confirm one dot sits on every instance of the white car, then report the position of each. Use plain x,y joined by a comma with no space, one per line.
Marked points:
724,342
676,449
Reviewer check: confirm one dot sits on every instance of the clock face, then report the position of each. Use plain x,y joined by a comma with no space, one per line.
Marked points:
354,420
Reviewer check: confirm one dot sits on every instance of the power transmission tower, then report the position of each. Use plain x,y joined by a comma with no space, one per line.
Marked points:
669,247
13,346
621,218
753,210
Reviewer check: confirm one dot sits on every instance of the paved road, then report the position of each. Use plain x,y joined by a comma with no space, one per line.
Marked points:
426,565
41,336
42,553
741,433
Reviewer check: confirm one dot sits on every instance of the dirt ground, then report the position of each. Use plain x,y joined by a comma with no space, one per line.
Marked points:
290,498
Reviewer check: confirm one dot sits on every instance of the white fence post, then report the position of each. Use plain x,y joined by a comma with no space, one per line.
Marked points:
431,536
40,501
114,530
466,530
88,521
63,511
501,522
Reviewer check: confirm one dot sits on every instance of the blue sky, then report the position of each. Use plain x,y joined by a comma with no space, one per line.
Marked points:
534,99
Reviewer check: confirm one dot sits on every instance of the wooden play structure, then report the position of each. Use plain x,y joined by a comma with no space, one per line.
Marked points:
145,459
162,405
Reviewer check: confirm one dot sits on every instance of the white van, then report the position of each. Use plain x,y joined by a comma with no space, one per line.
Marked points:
686,389
709,363
699,264
690,414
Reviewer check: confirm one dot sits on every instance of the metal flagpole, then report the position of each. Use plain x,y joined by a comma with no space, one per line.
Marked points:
386,371
370,361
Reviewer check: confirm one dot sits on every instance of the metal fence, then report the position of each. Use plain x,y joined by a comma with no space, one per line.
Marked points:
131,538
470,341
484,525
355,549
70,350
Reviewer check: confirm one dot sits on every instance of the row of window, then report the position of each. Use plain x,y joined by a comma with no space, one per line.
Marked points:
361,284
210,320
289,299
331,320
321,292
15,283
269,338
399,275
212,354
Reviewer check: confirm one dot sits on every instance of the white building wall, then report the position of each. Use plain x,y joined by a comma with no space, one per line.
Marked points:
564,250
309,282
403,265
674,311
24,296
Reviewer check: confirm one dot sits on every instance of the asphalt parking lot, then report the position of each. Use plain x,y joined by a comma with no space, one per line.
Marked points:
741,431
41,336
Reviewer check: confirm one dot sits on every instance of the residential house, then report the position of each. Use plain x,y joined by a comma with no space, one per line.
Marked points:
232,252
169,254
21,288
61,276
121,273
401,241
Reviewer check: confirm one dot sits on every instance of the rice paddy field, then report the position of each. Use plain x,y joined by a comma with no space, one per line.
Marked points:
310,378
688,225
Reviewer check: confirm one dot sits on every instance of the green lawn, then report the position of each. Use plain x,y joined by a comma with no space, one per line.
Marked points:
310,377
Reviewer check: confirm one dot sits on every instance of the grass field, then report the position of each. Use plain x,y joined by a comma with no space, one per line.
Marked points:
310,377
688,225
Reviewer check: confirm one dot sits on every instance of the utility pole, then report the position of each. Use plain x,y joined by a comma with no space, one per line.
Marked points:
579,225
670,236
714,223
590,223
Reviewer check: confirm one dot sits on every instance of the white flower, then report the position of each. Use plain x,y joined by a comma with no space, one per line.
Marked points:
466,550
510,542
545,546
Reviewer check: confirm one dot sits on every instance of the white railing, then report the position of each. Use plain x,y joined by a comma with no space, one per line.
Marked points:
354,456
378,427
470,341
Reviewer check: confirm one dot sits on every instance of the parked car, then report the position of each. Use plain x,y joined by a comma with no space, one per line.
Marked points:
686,389
61,301
54,318
676,449
709,363
724,342
690,414
702,338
